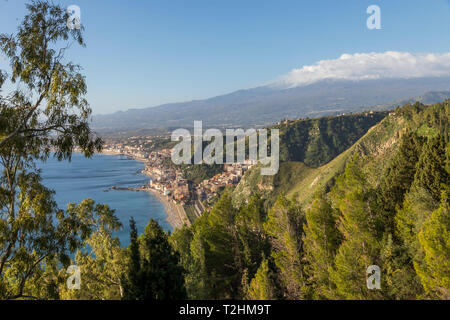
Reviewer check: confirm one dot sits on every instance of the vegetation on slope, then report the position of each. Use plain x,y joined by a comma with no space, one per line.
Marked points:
317,141
306,148
398,222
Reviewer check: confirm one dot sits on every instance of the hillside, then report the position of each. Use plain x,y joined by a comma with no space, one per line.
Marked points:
381,203
307,144
317,141
375,146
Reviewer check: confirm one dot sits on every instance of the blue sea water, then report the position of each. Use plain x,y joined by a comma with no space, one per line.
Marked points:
88,178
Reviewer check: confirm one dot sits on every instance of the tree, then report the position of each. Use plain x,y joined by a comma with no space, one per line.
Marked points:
321,241
201,285
261,286
431,178
431,168
191,254
46,112
36,55
133,276
434,240
101,261
159,273
26,270
400,173
400,281
358,225
252,236
284,227
221,250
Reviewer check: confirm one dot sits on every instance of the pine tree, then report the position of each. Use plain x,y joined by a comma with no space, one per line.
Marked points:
399,277
434,240
222,247
200,284
285,227
431,177
163,277
431,169
321,241
418,205
253,238
399,174
360,247
261,286
153,272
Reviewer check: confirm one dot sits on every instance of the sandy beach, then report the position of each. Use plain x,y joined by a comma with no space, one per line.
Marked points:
176,215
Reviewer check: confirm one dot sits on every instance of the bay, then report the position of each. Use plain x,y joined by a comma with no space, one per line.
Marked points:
89,178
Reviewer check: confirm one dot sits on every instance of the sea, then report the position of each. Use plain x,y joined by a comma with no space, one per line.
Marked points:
83,178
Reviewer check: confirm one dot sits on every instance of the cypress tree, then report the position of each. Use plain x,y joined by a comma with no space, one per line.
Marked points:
133,276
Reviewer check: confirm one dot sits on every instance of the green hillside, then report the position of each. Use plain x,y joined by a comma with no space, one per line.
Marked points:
306,148
317,141
377,144
379,134
382,202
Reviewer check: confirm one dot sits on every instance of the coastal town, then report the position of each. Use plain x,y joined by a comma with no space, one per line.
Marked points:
168,182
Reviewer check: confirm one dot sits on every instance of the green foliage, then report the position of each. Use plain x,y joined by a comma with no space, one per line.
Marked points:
399,175
321,241
434,240
431,176
417,206
262,287
284,227
254,240
431,168
317,141
377,212
101,261
199,172
36,55
223,249
132,279
423,221
153,271
46,112
358,225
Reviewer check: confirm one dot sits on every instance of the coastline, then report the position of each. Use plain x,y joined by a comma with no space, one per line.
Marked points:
176,216
175,212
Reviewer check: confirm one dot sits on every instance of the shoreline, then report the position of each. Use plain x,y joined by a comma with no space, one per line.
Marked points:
176,216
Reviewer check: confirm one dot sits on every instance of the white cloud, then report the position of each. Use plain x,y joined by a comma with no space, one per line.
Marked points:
363,66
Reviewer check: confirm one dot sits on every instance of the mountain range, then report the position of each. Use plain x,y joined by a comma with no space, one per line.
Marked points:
268,104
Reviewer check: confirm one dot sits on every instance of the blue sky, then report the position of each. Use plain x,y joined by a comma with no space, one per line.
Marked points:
144,53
